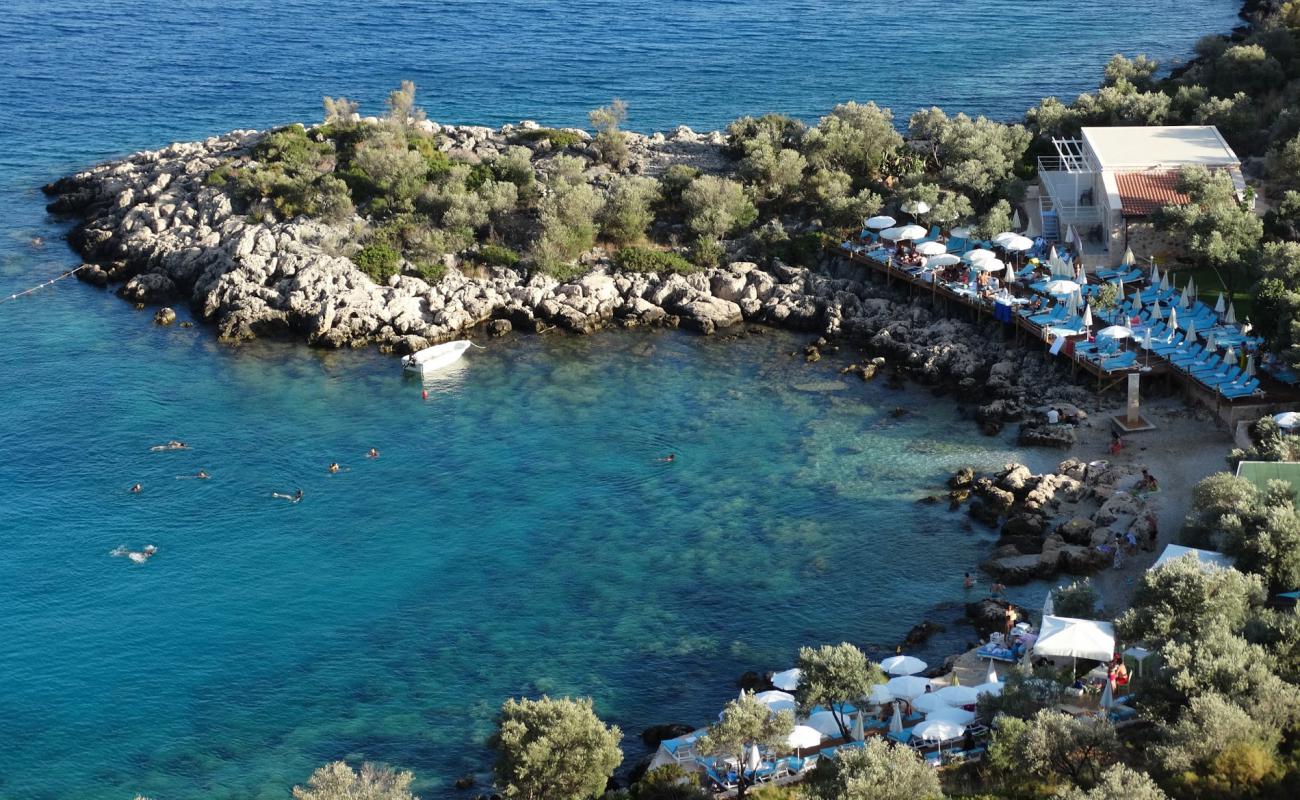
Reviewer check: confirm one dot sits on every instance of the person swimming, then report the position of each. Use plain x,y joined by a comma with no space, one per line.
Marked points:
669,458
201,475
296,497
171,445
373,453
136,556
136,489
334,467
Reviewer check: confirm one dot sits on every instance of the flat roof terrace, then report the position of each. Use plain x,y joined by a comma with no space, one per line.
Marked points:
1159,146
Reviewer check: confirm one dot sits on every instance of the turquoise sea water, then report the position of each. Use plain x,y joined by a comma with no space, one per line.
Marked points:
517,534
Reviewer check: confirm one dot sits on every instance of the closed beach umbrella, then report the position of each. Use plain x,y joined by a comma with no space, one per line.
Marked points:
787,680
1010,276
1110,332
1191,329
1210,344
992,676
907,687
1083,277
755,759
1107,696
1229,357
1128,257
1231,319
980,254
1191,286
880,223
1155,275
1015,219
803,736
1070,235
931,248
1062,286
1219,306
1250,366
930,701
916,207
903,665
1051,253
1087,316
943,260
1164,282
1185,299
1173,318
896,720
859,728
958,695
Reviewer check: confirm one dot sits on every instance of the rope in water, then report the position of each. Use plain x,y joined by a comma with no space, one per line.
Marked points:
38,287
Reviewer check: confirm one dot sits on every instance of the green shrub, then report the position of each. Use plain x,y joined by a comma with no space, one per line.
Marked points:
221,175
378,260
437,162
717,207
559,139
645,259
568,217
628,213
496,255
674,181
706,252
610,142
1078,600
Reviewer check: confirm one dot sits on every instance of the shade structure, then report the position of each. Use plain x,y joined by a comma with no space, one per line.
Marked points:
787,680
879,695
880,223
1087,316
1219,306
1112,332
1164,282
1287,419
903,665
1062,286
916,206
1128,256
991,687
1075,638
990,265
803,736
824,722
1191,329
1005,236
1015,219
943,260
931,248
952,714
1010,275
938,730
896,720
754,759
1018,244
1231,318
980,254
777,701
930,701
958,695
907,687
1173,318
961,233
904,233
859,727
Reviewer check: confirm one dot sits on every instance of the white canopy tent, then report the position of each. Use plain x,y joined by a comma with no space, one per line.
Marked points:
1205,557
1076,638
787,680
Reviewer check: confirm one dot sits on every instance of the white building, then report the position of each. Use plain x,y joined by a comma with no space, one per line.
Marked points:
1111,177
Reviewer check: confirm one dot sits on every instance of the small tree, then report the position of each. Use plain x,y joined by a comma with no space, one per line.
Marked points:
878,771
855,138
1022,696
1221,232
338,781
717,207
996,220
402,110
832,675
745,723
1183,600
1054,746
1140,71
669,782
628,209
340,112
1107,297
611,143
1078,600
554,750
1117,782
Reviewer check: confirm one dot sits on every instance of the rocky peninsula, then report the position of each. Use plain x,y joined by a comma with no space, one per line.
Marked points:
153,224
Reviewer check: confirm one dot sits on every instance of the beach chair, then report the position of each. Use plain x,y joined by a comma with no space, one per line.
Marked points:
902,736
1189,356
1125,360
932,236
1229,378
1242,390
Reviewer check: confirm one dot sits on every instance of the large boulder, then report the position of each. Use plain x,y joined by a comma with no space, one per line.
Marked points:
1077,531
1018,569
150,287
708,314
1035,434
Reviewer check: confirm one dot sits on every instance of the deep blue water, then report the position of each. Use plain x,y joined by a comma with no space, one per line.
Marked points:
517,535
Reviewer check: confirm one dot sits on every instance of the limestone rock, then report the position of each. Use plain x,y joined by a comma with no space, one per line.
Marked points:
165,316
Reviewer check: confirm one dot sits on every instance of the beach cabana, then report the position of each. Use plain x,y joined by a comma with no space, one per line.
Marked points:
1208,558
1060,637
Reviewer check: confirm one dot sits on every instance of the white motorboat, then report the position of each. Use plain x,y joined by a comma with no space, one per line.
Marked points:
431,359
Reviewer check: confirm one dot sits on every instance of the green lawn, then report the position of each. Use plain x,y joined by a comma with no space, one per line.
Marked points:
1208,287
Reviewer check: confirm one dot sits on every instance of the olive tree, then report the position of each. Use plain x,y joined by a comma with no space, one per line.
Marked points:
611,142
746,722
1053,746
1182,600
554,750
856,138
878,771
1216,749
973,154
1138,71
629,209
1119,781
1078,600
338,781
1220,230
832,675
831,190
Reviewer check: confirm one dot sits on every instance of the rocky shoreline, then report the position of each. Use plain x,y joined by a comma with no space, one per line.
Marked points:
150,223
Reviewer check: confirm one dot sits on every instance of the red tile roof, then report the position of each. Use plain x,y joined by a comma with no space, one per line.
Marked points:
1143,193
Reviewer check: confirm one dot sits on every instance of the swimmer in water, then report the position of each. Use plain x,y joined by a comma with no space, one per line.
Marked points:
201,475
296,497
373,453
334,467
136,489
669,458
172,445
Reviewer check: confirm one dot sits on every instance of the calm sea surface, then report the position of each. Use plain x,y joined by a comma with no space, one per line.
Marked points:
517,534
